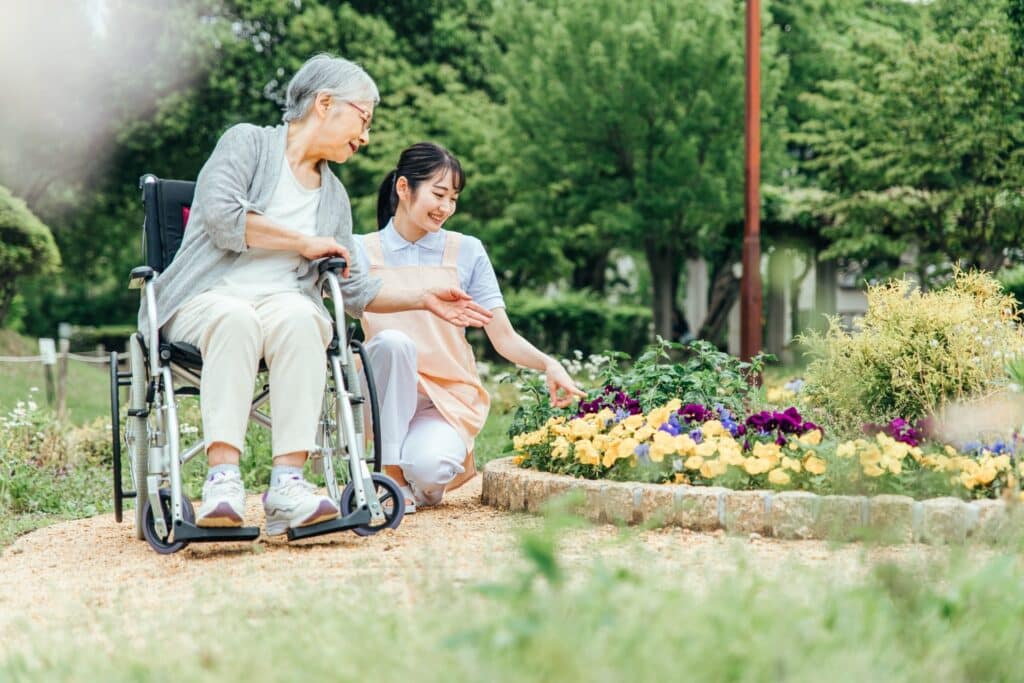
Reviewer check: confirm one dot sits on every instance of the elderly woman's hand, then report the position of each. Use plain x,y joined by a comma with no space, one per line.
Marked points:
457,307
324,247
562,390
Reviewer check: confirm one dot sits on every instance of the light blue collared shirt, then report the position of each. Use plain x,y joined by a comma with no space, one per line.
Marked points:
476,274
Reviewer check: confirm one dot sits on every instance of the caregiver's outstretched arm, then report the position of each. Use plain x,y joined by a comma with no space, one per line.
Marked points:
450,304
513,347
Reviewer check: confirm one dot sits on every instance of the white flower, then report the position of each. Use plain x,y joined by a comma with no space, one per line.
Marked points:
33,389
32,406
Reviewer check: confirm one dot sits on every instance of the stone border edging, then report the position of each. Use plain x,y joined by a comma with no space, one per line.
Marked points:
785,514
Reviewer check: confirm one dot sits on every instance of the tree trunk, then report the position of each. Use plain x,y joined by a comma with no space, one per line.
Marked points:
780,267
666,264
725,290
588,270
826,292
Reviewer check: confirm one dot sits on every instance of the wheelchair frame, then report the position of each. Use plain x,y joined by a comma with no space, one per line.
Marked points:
164,517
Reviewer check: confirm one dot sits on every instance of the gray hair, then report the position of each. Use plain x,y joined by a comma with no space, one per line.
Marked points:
333,75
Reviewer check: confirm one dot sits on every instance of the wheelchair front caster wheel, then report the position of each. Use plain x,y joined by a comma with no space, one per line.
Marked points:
156,541
392,502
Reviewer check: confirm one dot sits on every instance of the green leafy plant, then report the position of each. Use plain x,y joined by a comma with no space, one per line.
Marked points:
912,352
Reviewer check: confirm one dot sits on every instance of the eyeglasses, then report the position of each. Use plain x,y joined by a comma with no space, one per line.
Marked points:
365,115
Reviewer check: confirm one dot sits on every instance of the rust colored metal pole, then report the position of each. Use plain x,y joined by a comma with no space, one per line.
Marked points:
750,285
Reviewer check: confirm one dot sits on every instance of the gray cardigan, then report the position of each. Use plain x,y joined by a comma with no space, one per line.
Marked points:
241,176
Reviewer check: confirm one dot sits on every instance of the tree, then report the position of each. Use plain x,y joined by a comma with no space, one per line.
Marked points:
923,149
626,124
27,248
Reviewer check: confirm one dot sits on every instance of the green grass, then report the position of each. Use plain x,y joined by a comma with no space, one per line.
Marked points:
88,384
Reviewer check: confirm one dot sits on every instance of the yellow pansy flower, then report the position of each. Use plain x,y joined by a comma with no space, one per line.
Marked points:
684,445
644,433
681,478
633,422
873,470
754,466
870,456
985,475
694,462
582,429
811,438
712,428
604,416
712,468
790,463
847,449
814,464
778,477
706,448
586,453
560,447
518,459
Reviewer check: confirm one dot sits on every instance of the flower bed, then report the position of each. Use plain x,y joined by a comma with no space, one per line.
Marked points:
709,446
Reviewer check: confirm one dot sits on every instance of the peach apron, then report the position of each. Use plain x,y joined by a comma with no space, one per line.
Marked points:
444,360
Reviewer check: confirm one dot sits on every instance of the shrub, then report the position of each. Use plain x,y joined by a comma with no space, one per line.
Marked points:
912,352
27,248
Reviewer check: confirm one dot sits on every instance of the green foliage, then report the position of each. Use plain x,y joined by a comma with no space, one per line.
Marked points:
913,352
27,248
921,143
624,123
1012,281
695,373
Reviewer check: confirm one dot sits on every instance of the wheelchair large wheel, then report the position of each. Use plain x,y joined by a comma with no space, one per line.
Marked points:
391,501
156,541
371,398
137,429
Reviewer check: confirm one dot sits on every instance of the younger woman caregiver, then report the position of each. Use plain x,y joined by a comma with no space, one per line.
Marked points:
432,402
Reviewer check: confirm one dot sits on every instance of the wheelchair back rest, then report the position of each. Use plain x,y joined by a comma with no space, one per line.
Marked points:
166,205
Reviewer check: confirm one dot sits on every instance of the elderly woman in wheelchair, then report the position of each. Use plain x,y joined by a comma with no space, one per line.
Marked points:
269,228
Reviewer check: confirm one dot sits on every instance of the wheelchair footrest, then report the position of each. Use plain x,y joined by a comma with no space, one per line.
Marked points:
351,521
184,531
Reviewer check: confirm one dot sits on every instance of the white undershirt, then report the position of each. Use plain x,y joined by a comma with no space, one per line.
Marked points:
259,272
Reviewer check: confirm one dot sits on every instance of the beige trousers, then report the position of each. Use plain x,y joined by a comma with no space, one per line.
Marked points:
233,333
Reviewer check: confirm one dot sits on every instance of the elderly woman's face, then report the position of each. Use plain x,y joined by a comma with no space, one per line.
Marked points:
346,128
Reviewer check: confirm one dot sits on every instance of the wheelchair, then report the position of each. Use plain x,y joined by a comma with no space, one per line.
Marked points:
160,371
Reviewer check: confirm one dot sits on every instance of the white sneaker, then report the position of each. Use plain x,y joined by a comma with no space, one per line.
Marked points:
294,502
223,501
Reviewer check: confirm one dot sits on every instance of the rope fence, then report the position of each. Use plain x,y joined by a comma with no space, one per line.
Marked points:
102,360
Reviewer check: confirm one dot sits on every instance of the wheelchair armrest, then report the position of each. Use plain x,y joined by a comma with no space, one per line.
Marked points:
139,276
336,263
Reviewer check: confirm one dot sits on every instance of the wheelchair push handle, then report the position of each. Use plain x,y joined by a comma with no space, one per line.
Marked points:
335,263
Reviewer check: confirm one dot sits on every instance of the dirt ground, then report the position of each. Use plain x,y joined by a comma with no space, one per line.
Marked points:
97,564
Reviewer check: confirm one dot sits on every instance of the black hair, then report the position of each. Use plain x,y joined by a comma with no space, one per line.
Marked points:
416,164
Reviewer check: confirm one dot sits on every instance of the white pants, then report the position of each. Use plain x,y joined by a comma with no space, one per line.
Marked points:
233,333
414,434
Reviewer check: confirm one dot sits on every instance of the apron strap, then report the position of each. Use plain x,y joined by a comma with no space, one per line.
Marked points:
450,258
374,251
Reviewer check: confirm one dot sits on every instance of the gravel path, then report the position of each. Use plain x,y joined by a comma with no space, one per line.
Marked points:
50,575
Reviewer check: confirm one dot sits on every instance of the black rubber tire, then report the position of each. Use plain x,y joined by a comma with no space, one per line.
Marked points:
391,499
371,398
157,542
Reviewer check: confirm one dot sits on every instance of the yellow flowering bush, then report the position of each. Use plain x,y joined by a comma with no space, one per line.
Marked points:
658,447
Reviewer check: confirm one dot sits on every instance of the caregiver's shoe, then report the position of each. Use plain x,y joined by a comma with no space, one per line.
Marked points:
293,502
410,499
